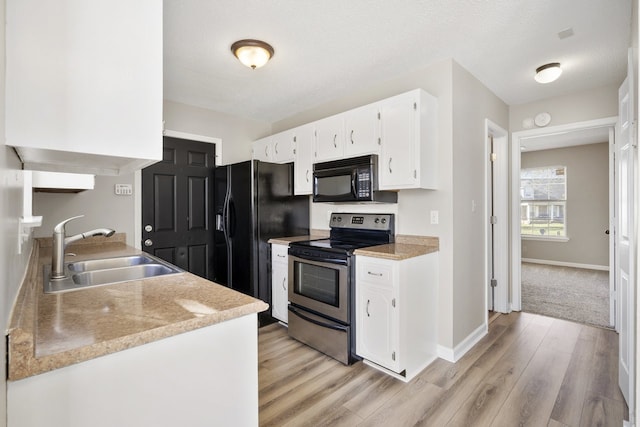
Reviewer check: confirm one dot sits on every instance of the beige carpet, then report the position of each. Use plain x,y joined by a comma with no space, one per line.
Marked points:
575,294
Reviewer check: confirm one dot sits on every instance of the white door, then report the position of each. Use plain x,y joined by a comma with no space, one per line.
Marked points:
625,274
497,217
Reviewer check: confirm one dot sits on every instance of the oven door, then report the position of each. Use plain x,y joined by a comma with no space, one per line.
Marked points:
321,286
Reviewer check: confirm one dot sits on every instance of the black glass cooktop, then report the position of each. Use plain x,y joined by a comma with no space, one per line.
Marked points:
333,244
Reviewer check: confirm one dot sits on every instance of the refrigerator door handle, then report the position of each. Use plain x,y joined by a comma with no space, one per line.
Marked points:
232,218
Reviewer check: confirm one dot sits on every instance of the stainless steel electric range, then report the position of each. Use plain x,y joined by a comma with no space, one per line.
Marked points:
322,282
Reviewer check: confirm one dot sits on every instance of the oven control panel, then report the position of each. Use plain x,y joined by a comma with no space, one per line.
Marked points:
362,221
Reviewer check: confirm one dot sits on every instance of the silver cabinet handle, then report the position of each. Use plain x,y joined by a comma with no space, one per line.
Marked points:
275,148
307,176
266,151
283,282
335,145
280,255
390,171
351,137
374,274
148,242
367,309
148,228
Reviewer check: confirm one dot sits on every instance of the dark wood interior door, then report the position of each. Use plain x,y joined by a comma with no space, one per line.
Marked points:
177,206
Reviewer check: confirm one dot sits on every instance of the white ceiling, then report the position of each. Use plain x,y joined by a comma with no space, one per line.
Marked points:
325,48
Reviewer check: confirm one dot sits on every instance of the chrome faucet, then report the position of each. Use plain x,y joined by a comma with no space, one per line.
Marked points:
60,243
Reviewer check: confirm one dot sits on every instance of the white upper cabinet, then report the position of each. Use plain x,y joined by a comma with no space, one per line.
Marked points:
329,134
362,131
84,84
262,150
283,146
303,171
408,133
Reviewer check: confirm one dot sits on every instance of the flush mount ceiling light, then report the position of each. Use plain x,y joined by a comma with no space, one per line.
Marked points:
252,53
548,72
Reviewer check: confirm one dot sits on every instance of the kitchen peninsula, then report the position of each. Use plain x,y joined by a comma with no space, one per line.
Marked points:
170,350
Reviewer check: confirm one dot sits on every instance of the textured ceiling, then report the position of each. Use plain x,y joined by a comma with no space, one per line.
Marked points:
326,48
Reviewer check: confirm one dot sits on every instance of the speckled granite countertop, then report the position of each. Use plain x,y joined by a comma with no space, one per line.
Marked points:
404,247
50,331
287,240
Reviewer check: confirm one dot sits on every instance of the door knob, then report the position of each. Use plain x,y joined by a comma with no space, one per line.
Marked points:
148,228
148,242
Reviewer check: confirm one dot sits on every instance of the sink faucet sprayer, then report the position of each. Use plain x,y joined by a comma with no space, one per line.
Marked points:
60,243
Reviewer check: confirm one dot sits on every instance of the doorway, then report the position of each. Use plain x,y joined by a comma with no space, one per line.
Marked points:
497,218
177,206
575,134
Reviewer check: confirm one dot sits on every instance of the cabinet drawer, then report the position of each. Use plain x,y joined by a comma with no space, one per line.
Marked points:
374,272
279,253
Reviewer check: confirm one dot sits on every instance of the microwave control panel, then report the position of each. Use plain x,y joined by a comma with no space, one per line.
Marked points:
363,183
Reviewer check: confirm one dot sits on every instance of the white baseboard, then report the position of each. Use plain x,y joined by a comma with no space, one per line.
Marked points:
567,264
454,354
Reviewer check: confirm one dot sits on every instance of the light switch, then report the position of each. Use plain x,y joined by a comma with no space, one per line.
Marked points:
434,217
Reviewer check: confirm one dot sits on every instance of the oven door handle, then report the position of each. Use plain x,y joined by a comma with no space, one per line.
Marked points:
317,322
319,259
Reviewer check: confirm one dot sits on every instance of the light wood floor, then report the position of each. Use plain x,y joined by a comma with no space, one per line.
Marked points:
529,370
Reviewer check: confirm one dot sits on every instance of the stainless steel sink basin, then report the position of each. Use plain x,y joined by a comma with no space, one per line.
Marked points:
106,263
105,271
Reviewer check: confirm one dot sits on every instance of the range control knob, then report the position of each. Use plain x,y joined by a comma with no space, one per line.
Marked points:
384,220
377,220
339,219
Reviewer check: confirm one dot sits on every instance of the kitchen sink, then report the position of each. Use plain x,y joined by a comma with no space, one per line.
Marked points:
107,263
105,271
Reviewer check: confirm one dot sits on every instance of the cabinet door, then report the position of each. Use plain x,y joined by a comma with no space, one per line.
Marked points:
84,77
283,147
303,174
279,273
262,150
329,134
362,131
279,282
377,335
399,136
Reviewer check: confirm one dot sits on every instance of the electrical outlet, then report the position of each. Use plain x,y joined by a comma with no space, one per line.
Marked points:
123,189
434,217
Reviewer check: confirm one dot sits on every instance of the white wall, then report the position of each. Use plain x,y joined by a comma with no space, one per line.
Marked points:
472,104
236,133
590,104
12,265
100,207
587,212
460,131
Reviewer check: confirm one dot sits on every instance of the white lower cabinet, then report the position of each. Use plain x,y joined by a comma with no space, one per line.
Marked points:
396,313
279,282
201,378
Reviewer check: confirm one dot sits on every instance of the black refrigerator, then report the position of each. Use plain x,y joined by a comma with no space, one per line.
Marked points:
253,203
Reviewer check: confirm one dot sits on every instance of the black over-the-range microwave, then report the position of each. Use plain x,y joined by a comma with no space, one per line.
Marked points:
349,180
